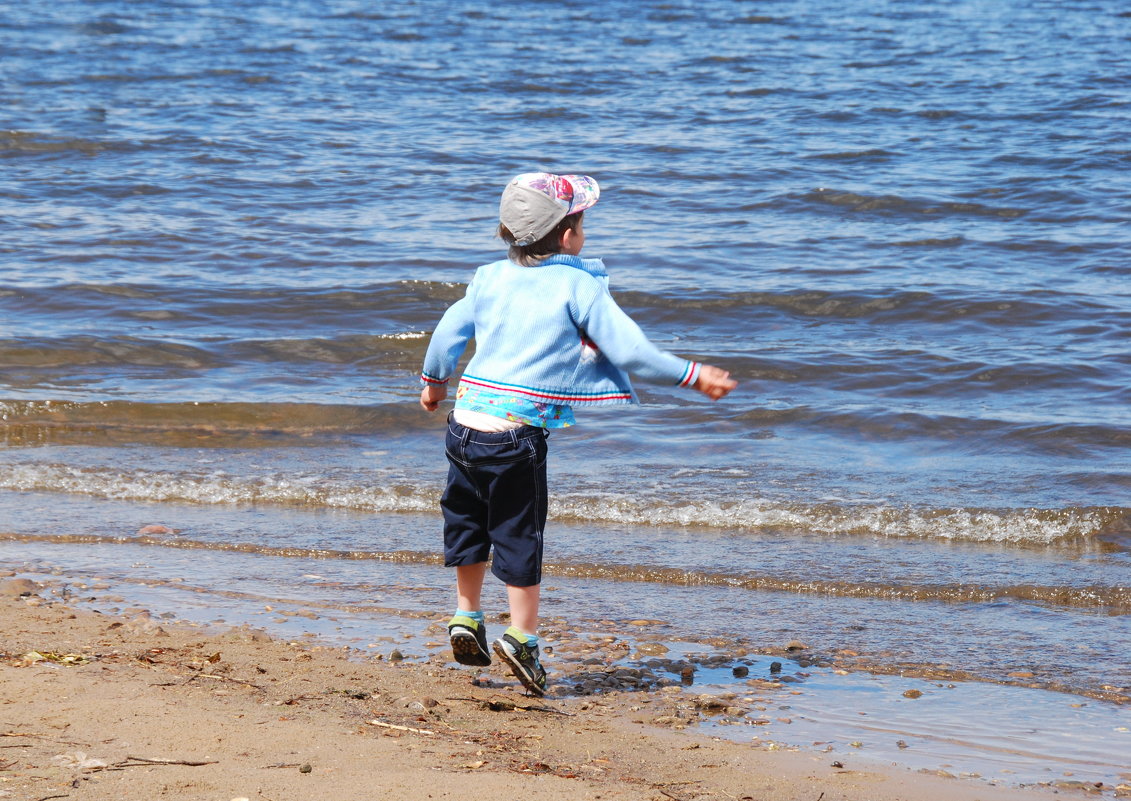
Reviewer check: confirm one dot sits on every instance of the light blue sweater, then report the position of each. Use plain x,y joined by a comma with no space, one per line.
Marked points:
551,333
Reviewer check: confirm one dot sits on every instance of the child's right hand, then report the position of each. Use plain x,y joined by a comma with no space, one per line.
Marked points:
713,382
431,396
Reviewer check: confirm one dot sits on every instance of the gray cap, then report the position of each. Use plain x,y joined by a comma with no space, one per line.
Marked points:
534,202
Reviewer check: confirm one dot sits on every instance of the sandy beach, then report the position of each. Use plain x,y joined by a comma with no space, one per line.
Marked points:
131,707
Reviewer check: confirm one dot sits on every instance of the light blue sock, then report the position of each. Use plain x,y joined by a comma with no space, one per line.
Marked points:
476,616
522,636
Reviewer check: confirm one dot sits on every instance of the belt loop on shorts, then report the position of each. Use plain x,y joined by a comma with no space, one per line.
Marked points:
514,436
464,436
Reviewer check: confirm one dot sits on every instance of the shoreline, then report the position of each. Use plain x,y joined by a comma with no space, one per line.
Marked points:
271,719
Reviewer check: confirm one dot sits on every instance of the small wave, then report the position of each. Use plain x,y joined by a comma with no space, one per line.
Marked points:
293,308
88,351
1113,599
905,206
15,143
1024,526
884,424
245,425
1008,309
875,154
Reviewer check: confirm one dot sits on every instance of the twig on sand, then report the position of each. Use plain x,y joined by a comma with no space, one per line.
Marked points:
47,797
138,762
501,705
189,762
385,725
222,678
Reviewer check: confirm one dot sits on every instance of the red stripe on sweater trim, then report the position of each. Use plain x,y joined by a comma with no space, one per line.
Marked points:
545,395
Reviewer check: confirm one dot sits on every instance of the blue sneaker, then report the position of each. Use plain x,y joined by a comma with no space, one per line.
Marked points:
523,661
469,641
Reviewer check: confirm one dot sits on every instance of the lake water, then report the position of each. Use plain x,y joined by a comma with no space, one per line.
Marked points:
229,229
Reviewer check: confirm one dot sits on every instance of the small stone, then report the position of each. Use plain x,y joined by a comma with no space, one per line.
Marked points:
741,672
396,656
305,768
912,693
1087,787
795,645
710,703
18,587
155,530
775,667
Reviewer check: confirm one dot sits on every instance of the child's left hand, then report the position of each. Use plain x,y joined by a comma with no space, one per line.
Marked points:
714,382
431,396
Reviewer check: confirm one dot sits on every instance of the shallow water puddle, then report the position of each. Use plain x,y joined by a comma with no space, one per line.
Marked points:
1002,734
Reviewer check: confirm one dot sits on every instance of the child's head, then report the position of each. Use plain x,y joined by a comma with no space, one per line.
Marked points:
536,210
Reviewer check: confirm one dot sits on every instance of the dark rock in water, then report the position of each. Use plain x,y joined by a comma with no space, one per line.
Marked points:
796,645
396,656
912,693
775,667
741,672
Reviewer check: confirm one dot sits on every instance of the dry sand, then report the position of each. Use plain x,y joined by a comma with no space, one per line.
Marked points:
94,707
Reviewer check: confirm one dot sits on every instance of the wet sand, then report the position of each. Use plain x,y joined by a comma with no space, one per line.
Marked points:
129,707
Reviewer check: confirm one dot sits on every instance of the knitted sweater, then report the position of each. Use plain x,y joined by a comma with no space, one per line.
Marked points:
550,333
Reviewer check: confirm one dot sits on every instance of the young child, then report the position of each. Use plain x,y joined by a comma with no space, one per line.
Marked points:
548,337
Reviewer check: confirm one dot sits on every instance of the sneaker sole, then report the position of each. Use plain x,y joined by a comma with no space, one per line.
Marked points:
518,670
466,650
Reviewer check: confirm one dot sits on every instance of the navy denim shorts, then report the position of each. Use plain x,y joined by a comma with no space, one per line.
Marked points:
496,497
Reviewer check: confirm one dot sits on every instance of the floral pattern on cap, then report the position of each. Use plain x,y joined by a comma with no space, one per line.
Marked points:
573,193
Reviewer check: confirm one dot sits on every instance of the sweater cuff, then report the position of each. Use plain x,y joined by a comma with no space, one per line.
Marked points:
431,379
690,374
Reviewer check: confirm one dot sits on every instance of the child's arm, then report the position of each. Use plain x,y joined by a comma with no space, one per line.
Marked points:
621,340
455,329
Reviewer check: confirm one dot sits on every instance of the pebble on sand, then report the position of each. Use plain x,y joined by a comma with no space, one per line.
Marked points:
15,588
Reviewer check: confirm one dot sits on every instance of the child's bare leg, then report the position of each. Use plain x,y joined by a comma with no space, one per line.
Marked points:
469,586
524,607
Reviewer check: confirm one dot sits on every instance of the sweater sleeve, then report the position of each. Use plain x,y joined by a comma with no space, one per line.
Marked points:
620,339
455,329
